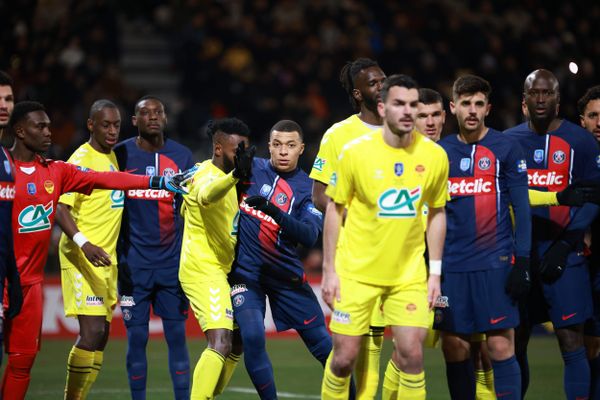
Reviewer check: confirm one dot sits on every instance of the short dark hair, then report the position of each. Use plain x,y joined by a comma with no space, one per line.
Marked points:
148,97
592,93
430,96
22,109
228,126
349,72
5,79
287,125
99,105
401,80
471,84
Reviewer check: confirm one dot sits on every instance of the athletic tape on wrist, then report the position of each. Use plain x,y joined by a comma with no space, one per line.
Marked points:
80,239
435,267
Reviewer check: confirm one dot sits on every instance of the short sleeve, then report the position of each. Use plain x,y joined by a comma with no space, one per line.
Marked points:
325,161
341,183
439,183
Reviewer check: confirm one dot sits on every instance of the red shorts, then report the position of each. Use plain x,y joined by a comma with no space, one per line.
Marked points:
23,333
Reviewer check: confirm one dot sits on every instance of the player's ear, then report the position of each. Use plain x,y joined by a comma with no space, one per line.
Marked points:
218,149
357,95
488,108
133,120
381,109
524,109
301,148
452,108
90,125
19,131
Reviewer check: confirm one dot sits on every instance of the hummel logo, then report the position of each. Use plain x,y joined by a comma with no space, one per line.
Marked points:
494,321
566,317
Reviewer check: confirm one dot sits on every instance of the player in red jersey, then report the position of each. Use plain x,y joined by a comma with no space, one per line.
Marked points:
38,185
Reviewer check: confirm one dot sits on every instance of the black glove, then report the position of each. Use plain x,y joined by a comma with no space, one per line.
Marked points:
243,161
518,282
577,194
15,295
261,204
555,261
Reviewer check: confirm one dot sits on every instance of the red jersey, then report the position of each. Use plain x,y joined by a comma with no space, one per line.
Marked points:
38,186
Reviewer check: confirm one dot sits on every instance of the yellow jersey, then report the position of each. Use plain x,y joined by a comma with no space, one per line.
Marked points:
332,142
97,216
384,189
211,213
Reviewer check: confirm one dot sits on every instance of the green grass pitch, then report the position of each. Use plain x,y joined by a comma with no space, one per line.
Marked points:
297,374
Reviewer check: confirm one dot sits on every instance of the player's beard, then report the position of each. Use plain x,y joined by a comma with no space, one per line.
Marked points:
228,165
396,130
371,103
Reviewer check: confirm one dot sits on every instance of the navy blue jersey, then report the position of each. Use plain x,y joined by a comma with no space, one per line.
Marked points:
152,226
554,160
7,194
263,246
484,178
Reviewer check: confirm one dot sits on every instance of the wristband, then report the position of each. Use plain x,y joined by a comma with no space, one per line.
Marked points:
80,239
435,267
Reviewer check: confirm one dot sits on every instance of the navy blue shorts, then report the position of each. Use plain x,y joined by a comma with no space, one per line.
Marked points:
157,287
476,302
566,302
293,306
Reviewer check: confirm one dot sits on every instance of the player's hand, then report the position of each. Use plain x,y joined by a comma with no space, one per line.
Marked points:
96,255
330,288
554,262
261,204
518,282
577,194
243,161
173,183
15,295
433,289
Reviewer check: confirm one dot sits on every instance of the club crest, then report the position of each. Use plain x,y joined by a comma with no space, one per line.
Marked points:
399,168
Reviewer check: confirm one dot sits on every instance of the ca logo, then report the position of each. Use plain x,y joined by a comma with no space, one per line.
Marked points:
35,218
399,203
117,198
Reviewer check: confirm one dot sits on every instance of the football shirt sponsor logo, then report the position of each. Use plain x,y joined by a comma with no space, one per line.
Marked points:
7,191
117,199
341,317
35,218
469,186
399,203
148,194
127,301
94,300
543,178
238,288
319,164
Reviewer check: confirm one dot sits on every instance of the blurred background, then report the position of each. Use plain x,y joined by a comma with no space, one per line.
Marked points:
264,60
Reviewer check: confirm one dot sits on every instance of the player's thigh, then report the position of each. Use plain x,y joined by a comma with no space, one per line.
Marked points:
377,317
23,333
85,294
407,305
210,302
454,313
294,307
169,300
570,297
352,314
494,310
137,298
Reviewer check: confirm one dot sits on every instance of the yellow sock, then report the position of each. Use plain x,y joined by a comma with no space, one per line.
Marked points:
79,366
231,362
206,374
391,381
412,386
366,371
334,387
98,359
484,385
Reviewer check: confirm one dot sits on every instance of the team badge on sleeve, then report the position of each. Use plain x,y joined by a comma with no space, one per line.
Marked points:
465,164
521,166
319,164
399,168
538,156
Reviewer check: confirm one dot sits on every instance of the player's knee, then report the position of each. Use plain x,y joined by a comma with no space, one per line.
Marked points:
253,340
454,349
410,357
592,347
342,363
500,349
20,364
570,338
220,341
138,334
92,336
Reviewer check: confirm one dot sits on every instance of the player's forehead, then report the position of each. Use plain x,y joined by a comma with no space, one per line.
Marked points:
471,98
285,137
107,114
150,104
431,108
5,91
592,106
373,73
37,117
541,81
401,93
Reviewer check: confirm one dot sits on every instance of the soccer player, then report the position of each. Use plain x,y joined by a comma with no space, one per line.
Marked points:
362,79
211,213
88,251
487,175
277,214
383,178
8,267
557,153
430,114
149,249
38,186
589,112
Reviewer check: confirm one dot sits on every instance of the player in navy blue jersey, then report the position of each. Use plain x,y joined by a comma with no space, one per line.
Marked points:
557,153
480,286
149,249
8,266
276,215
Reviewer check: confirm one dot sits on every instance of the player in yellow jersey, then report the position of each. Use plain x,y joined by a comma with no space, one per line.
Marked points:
362,79
87,251
211,212
383,178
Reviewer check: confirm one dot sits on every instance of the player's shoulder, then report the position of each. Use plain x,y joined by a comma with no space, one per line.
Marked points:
575,134
259,164
80,154
361,142
428,144
519,130
172,145
125,144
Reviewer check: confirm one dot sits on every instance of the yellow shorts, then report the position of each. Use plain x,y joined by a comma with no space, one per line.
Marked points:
211,302
377,319
89,290
403,305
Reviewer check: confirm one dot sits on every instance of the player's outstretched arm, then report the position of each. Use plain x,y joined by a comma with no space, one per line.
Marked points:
330,283
96,255
574,195
436,235
211,191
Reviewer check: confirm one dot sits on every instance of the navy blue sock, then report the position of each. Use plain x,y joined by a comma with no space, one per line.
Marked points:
137,364
595,378
461,379
524,367
577,374
507,379
256,359
179,358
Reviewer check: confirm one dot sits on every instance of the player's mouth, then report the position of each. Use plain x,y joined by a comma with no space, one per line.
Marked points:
541,111
4,116
284,162
154,126
111,141
597,134
430,132
472,121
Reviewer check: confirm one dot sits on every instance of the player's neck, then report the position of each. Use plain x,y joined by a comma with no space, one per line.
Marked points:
397,141
150,143
218,162
22,153
473,136
543,128
96,146
369,117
